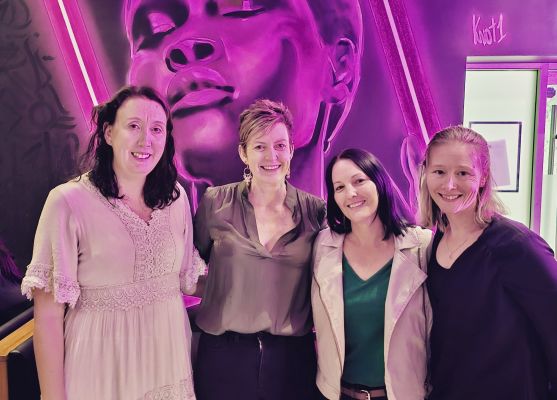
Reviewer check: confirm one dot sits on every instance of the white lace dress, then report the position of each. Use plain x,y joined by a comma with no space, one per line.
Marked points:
126,332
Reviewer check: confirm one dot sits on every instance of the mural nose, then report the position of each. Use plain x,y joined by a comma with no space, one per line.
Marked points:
191,51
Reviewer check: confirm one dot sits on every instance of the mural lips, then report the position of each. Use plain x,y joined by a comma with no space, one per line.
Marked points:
198,88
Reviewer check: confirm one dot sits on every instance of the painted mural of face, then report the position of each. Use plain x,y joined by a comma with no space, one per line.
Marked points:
212,59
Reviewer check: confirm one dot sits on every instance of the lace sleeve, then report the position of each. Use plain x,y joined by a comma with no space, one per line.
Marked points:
53,267
190,274
41,276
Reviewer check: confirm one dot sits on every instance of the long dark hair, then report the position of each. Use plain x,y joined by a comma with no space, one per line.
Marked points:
160,188
391,210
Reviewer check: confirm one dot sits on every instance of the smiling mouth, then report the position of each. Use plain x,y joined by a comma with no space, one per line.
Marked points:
356,204
140,156
270,167
449,197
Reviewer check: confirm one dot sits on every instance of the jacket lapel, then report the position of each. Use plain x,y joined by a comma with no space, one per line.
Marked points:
328,274
406,278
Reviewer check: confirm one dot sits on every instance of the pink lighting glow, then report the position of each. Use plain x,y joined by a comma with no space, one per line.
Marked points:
77,53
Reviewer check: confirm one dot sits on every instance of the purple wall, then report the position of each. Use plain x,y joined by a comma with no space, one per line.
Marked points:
41,123
398,79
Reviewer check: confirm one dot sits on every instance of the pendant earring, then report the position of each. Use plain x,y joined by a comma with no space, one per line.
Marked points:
247,175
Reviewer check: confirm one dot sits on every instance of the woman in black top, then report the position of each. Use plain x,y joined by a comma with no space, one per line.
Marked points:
492,282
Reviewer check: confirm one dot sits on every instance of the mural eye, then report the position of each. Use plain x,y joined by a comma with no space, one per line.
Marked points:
159,25
160,22
246,12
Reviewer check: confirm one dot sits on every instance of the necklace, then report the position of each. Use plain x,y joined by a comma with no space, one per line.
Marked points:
454,250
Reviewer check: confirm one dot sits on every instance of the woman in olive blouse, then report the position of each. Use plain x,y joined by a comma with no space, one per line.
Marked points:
257,237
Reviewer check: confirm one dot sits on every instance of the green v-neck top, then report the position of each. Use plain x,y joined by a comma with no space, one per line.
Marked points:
249,288
364,325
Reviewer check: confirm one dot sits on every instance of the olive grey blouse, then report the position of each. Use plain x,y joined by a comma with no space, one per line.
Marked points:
249,288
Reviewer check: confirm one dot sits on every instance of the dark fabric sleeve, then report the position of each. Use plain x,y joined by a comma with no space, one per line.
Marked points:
201,236
530,278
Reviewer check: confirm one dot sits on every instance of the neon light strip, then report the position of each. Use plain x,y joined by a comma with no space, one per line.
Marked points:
77,53
400,50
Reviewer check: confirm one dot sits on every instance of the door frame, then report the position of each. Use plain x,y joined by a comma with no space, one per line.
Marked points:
542,65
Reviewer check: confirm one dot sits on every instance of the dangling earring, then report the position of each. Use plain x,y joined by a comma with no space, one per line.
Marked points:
247,175
291,155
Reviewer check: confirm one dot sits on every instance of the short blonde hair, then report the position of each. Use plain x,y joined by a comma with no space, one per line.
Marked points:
488,203
261,116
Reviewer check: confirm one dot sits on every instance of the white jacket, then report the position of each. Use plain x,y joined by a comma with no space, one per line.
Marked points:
407,315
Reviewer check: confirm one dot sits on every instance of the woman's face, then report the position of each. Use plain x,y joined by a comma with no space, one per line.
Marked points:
268,155
137,137
355,193
454,178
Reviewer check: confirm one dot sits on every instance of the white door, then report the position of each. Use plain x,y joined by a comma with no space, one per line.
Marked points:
501,105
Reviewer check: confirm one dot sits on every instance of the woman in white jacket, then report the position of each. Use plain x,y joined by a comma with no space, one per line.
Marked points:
371,312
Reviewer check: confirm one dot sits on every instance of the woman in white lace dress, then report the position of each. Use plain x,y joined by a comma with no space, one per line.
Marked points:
113,253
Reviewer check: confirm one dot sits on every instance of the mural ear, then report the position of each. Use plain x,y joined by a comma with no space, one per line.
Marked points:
342,57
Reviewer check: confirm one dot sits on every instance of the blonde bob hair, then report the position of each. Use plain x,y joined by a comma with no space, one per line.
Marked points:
487,202
261,116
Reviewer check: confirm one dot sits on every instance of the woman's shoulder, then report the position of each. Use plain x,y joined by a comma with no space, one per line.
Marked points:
222,191
327,247
183,195
503,233
220,197
421,236
182,201
525,257
74,188
312,206
506,236
308,197
329,237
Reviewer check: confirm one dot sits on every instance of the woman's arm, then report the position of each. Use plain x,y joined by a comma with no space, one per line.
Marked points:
48,343
193,266
201,237
199,288
530,278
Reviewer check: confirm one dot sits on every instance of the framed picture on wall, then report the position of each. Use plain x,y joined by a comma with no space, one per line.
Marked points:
504,139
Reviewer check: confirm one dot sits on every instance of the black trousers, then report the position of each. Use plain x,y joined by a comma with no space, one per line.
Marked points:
257,366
